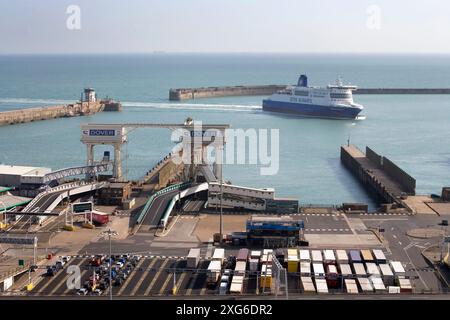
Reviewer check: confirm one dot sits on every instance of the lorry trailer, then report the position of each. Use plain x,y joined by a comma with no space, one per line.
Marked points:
351,286
307,285
379,256
386,274
341,256
193,258
213,272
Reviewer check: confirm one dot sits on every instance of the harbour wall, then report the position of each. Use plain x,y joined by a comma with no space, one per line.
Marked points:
378,174
265,90
59,111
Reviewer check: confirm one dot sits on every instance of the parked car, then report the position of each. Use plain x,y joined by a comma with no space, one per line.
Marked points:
82,292
51,271
97,292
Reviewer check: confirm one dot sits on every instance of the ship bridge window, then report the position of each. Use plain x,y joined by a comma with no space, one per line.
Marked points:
340,95
301,93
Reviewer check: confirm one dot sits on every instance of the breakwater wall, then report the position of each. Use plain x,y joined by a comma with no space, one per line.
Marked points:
196,93
388,182
265,90
58,111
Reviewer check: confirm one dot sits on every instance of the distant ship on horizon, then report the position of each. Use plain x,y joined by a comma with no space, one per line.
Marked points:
330,102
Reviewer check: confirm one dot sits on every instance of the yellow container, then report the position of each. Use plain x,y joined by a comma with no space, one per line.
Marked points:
292,266
266,282
30,287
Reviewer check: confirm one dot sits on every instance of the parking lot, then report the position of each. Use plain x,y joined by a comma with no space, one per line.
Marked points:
155,276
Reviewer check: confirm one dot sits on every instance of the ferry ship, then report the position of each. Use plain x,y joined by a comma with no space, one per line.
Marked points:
332,102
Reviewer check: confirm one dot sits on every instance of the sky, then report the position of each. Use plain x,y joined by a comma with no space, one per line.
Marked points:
222,26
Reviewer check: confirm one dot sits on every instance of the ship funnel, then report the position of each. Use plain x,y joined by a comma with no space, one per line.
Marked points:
303,81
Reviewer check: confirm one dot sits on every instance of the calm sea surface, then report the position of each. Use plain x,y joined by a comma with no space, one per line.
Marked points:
411,130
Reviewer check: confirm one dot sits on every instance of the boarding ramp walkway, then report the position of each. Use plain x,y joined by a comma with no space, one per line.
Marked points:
239,197
47,201
77,171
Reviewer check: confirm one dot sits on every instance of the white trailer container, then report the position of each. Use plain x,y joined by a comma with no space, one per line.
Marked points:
319,272
350,286
379,256
393,289
307,285
193,258
377,284
359,270
219,255
365,285
266,259
268,251
321,286
386,274
341,256
240,268
346,270
304,255
329,257
305,269
213,272
316,256
372,269
405,285
253,264
236,287
398,269
255,254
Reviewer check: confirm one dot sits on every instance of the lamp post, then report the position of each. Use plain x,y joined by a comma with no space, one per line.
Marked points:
110,233
220,218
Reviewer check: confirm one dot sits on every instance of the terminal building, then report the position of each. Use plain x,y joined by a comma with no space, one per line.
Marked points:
25,180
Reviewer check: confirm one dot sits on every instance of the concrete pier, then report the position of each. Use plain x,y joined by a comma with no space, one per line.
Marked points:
59,111
266,90
386,181
196,93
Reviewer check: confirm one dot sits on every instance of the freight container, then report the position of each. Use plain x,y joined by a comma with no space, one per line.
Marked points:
292,260
316,256
365,285
379,256
321,286
393,289
266,259
319,272
213,272
367,256
236,287
304,255
359,270
305,269
329,257
346,271
350,286
253,264
193,258
405,285
355,256
307,285
398,269
341,256
240,268
266,276
219,255
377,284
372,269
242,255
386,274
238,279
332,276
255,254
